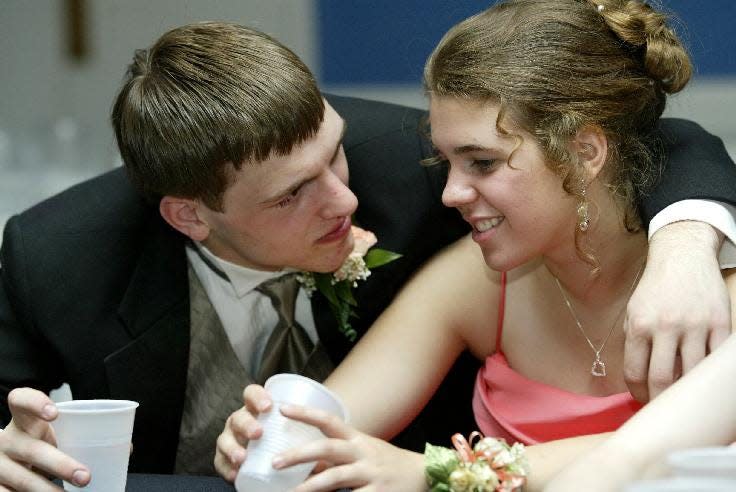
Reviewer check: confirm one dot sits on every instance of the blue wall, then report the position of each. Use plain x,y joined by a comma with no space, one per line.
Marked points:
387,41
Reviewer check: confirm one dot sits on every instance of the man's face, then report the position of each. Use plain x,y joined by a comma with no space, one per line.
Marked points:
288,211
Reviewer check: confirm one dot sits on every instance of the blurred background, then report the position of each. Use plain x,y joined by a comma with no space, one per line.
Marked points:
61,62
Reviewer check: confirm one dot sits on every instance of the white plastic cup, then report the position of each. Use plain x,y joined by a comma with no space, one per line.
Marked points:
713,462
683,484
280,434
97,433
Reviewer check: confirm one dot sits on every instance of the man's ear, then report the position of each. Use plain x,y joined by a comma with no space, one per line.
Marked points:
591,146
183,214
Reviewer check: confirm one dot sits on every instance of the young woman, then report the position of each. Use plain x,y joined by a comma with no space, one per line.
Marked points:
543,112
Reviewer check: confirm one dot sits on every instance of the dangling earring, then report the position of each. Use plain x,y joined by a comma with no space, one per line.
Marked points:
583,215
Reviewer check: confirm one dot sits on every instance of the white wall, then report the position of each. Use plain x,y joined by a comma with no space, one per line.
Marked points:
54,127
54,113
710,102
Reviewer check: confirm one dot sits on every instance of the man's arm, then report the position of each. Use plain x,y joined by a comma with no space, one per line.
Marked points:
27,442
24,355
680,310
697,411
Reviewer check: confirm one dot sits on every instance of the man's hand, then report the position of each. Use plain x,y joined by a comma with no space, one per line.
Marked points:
241,426
28,447
680,310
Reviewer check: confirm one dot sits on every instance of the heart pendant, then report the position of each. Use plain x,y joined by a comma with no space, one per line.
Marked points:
598,369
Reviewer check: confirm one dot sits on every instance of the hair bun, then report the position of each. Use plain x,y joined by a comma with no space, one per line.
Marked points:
636,23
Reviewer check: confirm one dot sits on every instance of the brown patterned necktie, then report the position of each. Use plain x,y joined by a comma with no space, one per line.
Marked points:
289,347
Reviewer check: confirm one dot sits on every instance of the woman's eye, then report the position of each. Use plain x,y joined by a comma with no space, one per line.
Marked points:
483,164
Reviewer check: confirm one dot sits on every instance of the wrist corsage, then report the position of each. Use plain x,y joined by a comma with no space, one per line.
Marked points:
490,465
338,286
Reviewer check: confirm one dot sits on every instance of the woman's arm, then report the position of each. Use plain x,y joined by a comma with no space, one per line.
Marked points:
396,367
699,410
394,370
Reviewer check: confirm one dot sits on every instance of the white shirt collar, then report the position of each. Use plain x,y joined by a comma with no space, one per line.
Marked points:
242,279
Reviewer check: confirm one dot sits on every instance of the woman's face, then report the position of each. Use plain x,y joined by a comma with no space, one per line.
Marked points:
515,203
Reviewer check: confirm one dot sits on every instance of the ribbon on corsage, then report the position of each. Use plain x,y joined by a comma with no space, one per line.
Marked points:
490,465
337,287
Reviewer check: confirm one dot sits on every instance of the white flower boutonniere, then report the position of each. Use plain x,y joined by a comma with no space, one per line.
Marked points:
338,286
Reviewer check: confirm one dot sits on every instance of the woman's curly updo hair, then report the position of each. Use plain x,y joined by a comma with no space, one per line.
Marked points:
556,66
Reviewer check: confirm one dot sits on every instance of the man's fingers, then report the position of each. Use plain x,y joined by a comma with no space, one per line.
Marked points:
256,399
43,456
692,350
717,336
636,361
31,410
19,478
662,365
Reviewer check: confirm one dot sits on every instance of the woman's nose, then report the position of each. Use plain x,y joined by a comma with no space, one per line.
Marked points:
458,191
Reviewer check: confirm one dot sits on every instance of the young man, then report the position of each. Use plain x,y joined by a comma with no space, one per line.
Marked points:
167,301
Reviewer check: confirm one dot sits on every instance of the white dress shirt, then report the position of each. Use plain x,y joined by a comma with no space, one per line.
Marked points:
247,315
720,215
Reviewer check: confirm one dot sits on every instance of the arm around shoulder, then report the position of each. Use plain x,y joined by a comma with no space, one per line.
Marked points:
641,443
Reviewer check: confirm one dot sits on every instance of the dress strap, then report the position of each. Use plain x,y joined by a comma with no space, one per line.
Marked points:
501,307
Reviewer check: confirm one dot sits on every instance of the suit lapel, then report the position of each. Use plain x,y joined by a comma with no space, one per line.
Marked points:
152,368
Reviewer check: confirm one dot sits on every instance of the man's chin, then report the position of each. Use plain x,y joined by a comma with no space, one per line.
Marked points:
332,264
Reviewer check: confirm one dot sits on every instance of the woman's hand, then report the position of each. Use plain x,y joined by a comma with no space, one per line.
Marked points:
241,426
355,460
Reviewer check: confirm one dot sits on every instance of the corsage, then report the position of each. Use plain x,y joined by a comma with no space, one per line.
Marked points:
338,286
490,465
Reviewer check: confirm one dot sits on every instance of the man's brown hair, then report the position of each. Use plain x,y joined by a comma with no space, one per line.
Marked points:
204,99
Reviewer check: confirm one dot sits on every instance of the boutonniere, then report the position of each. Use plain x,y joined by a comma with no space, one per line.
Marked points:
337,287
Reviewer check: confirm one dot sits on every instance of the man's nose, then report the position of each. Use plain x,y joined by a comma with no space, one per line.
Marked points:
340,200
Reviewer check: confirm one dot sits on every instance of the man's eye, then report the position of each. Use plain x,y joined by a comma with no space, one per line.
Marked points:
289,199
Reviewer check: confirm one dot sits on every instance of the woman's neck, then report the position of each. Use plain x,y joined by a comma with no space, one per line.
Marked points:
620,255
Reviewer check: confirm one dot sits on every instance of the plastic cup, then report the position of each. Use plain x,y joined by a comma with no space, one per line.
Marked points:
683,484
715,462
97,433
280,433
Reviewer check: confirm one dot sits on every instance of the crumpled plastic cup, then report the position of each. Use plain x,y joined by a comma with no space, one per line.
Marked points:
97,433
712,462
280,434
683,484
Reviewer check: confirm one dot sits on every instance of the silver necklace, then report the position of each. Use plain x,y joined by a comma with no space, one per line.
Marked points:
598,368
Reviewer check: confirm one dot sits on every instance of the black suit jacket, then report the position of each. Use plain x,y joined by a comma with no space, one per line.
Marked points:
94,287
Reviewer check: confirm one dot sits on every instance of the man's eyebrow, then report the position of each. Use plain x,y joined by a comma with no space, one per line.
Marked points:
301,182
339,141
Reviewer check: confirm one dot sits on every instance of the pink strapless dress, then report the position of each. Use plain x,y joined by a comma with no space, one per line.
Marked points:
509,405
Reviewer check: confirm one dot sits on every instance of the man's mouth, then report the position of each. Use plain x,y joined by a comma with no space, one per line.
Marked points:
338,232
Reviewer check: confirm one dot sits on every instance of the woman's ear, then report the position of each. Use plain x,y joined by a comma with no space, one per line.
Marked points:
591,146
183,214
